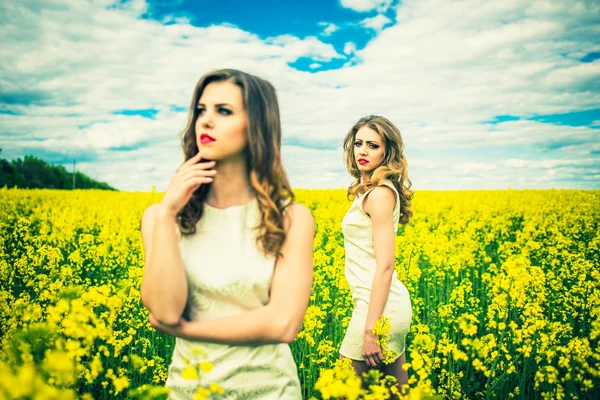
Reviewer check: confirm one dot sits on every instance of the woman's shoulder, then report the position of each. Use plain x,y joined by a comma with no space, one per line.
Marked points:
297,215
297,210
152,209
388,183
383,194
149,215
383,187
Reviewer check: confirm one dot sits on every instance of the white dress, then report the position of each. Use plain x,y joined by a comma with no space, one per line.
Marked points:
228,275
360,271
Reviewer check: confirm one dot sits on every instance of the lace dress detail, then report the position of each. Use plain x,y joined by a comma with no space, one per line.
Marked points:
360,271
227,275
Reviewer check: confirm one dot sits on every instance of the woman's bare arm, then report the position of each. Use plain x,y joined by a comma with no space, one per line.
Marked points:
281,319
380,205
164,287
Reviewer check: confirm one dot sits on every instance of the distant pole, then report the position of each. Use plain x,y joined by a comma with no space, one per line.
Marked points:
73,174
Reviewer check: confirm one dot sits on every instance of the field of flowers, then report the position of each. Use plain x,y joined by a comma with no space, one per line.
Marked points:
505,288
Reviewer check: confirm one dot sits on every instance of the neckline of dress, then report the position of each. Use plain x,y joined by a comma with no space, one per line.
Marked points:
238,206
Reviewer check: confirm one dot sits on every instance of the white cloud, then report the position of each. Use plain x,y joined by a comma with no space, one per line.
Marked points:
366,5
329,28
438,71
135,170
423,163
349,48
474,167
376,23
315,168
516,163
292,48
550,164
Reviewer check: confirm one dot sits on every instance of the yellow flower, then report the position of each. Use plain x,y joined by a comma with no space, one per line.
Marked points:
214,388
206,366
120,384
382,330
60,366
500,281
190,373
201,394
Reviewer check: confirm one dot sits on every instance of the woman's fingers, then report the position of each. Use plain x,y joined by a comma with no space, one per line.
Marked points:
197,181
192,160
194,183
188,178
198,173
195,171
372,360
203,165
196,167
195,162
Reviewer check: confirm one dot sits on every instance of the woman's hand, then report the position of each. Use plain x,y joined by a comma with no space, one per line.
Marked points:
188,178
371,350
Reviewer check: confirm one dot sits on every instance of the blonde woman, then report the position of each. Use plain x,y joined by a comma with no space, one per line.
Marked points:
228,268
374,155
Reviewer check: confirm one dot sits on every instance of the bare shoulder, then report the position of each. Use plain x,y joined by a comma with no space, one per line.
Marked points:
380,199
299,218
151,210
383,194
297,248
148,217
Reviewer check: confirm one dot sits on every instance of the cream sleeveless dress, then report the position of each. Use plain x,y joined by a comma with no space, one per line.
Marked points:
228,275
359,271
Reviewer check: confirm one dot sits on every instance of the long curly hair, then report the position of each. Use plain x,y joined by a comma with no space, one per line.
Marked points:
393,167
263,158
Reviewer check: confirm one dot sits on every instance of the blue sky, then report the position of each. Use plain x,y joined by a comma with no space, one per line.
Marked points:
504,94
273,18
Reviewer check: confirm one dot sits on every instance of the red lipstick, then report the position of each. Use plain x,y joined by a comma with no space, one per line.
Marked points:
362,161
205,138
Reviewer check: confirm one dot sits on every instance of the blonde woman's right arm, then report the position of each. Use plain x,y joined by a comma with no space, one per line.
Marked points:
164,286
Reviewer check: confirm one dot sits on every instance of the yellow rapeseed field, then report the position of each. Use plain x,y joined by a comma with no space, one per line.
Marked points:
505,288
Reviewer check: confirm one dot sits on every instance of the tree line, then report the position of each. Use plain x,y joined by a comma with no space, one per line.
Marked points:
34,173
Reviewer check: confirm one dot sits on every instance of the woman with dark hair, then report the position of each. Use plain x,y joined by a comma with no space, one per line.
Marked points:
228,268
374,155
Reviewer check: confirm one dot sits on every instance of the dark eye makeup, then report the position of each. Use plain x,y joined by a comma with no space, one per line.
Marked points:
371,145
221,110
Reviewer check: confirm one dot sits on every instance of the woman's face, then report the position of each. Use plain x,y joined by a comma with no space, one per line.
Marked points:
221,122
369,149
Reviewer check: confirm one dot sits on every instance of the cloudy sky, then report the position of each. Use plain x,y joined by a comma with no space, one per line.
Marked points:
487,95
